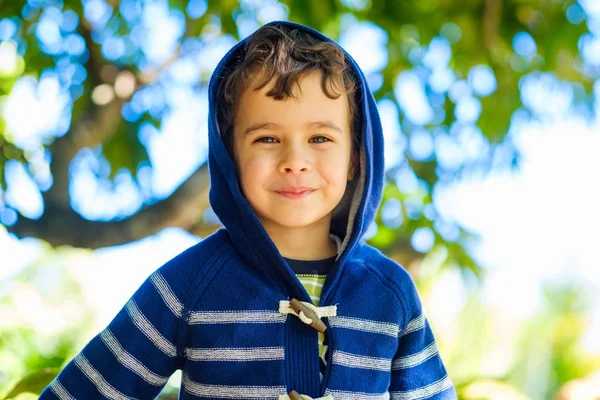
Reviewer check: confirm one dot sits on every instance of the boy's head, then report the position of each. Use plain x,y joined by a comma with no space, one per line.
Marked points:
288,115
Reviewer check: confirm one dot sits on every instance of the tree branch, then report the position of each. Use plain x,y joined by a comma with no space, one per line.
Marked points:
91,130
61,226
492,15
96,126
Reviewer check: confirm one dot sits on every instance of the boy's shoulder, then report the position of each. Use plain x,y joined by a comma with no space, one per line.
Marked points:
395,276
181,270
375,260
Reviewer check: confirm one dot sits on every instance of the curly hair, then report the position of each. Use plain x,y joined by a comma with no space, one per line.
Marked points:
286,55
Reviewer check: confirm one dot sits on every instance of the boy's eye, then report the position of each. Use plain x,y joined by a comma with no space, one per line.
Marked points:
319,139
266,139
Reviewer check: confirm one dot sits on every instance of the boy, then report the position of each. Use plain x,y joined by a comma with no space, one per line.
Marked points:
286,302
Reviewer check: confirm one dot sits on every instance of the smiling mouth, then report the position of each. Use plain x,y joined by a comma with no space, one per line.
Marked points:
295,193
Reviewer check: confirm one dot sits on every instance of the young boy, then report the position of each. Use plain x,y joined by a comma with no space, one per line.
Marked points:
286,302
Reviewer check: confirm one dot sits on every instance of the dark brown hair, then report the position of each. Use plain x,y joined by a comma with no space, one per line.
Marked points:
287,55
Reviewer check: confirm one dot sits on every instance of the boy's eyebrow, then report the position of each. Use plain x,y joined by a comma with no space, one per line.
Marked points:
260,125
325,124
271,125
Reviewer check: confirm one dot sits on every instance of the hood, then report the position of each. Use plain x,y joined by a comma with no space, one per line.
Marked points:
350,219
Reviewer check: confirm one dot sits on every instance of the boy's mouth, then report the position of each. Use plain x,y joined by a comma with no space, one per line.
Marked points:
294,192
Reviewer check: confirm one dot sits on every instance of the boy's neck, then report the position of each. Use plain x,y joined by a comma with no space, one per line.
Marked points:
305,243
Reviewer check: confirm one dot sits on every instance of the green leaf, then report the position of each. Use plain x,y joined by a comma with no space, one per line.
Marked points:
33,383
124,149
2,176
178,4
10,8
75,5
384,237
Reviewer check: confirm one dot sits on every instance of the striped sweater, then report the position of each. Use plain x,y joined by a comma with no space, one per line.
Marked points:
222,311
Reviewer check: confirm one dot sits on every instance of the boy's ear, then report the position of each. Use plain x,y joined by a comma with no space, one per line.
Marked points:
354,165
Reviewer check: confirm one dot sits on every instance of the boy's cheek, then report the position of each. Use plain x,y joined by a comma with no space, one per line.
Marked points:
255,167
254,176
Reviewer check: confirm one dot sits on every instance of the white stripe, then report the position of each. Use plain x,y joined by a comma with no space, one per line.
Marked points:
236,354
317,298
233,317
305,397
96,378
415,325
343,395
60,391
149,330
130,361
167,294
364,362
384,328
415,359
328,311
231,392
311,283
424,392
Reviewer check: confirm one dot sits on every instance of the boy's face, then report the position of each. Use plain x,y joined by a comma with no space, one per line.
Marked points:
293,155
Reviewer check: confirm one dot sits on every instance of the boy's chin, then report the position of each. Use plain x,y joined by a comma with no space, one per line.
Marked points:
294,221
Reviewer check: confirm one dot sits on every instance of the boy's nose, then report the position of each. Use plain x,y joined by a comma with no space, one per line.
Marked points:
294,162
295,168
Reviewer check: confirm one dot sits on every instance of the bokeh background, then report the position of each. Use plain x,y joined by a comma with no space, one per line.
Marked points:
491,116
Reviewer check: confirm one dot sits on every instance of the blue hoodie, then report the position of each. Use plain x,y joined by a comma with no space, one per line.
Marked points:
220,310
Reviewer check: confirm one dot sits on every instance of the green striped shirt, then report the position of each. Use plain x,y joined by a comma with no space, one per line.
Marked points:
313,284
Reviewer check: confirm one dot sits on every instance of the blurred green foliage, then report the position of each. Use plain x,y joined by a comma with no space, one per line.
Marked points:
34,383
45,320
550,343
